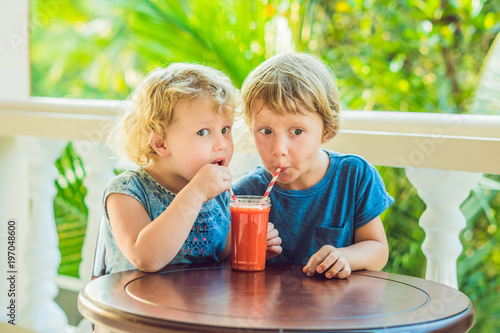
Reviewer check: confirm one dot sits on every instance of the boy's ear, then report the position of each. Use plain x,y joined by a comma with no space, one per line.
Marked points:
157,142
327,135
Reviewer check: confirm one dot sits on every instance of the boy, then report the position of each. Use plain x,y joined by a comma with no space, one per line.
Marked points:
325,205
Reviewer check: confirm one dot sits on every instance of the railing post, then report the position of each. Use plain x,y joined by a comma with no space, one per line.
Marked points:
443,191
99,171
14,205
41,249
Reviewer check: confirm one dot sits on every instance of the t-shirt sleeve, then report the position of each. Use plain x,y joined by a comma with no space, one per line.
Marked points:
371,198
124,185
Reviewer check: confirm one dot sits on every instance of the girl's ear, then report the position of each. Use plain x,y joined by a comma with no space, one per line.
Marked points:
158,144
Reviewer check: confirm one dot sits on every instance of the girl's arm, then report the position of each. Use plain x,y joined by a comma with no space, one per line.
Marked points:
369,251
226,253
151,245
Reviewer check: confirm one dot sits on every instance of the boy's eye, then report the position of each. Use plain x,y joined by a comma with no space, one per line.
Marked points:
203,132
265,131
297,131
226,130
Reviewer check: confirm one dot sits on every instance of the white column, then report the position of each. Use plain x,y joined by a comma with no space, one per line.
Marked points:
14,204
42,255
14,194
99,171
443,191
14,43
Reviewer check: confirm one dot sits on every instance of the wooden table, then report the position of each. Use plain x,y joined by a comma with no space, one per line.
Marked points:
193,298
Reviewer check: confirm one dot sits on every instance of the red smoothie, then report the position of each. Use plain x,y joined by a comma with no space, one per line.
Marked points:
249,236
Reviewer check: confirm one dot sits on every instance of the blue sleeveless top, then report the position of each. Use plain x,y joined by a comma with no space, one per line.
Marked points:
206,239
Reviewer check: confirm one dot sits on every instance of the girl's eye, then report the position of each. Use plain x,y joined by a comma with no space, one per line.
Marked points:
297,131
265,131
226,130
203,132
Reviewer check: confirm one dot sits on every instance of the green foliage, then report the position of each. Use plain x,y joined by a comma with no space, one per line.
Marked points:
82,50
406,55
225,36
404,235
70,210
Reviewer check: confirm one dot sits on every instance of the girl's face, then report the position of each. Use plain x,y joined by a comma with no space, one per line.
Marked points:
291,142
195,137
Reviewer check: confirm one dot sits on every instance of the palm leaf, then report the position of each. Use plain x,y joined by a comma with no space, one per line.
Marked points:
226,34
487,97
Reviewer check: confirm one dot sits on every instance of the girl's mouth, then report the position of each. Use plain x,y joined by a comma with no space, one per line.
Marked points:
219,161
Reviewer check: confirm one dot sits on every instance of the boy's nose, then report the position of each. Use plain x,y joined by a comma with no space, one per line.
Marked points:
280,148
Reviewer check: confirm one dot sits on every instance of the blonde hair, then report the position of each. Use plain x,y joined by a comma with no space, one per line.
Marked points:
286,82
152,103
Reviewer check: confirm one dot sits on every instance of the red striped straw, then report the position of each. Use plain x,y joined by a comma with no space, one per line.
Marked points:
269,188
233,195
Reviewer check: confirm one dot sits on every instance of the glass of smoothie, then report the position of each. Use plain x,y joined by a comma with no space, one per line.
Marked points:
249,218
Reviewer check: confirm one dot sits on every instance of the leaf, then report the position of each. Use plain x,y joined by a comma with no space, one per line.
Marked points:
487,95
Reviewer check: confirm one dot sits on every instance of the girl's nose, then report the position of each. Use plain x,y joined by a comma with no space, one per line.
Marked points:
220,143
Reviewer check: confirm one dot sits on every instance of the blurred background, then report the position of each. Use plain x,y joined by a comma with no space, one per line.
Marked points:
413,55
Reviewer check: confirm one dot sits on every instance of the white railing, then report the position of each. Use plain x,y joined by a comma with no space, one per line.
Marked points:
444,157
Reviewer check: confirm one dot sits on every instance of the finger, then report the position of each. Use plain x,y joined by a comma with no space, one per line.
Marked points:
336,268
270,227
306,267
275,249
315,261
330,260
274,241
225,175
272,234
344,273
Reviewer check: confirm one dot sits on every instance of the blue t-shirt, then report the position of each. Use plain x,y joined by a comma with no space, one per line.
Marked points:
206,239
350,195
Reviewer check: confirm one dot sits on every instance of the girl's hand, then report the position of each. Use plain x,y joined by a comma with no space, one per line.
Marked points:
329,260
211,180
273,247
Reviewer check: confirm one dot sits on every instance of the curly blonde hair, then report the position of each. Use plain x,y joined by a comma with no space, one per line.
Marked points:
288,81
151,105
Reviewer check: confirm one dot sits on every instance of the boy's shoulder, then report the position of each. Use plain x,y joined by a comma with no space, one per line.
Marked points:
348,160
254,179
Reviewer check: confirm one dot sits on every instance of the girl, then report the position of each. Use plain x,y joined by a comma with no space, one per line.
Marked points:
174,208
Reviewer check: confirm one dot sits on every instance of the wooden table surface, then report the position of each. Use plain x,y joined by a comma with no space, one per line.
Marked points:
194,298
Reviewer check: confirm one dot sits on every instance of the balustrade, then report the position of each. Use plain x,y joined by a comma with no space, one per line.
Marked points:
444,157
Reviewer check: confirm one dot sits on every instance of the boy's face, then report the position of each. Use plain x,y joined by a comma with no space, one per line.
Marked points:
291,142
198,136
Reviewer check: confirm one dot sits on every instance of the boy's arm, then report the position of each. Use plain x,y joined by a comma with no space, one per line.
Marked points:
369,251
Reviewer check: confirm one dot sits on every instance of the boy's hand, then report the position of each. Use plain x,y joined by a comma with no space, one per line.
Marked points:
329,260
211,180
273,247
